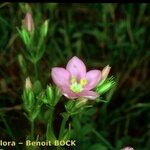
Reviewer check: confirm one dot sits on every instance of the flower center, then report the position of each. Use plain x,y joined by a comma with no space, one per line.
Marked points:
77,87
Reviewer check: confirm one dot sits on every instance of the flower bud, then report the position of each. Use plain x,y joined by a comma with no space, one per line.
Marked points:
28,99
49,93
42,97
75,106
44,29
29,23
53,95
105,72
28,95
105,87
28,84
70,106
81,102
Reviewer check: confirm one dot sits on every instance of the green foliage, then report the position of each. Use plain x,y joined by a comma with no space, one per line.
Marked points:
101,34
76,106
31,101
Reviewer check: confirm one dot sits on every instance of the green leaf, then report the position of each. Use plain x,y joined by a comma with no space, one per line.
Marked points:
44,29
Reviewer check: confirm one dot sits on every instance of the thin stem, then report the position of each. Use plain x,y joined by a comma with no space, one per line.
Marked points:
36,70
102,139
32,130
63,124
50,131
5,109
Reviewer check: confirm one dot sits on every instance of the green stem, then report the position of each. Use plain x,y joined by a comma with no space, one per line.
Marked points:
32,130
36,70
50,131
63,124
102,139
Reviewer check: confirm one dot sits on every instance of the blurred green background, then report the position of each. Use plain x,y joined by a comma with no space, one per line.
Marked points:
99,34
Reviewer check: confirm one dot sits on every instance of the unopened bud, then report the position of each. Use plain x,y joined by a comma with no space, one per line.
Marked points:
29,23
81,102
44,28
70,105
105,72
53,95
76,106
49,93
28,84
105,87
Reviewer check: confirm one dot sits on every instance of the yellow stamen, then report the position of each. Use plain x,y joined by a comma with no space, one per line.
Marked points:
73,80
77,87
83,82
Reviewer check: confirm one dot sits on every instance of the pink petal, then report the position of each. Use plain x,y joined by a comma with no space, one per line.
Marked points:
93,77
60,76
89,94
76,67
68,93
29,23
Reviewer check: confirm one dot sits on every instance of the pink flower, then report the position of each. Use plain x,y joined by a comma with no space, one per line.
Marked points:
29,23
74,81
127,148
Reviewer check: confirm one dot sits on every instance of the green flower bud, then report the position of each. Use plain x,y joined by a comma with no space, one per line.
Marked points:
49,93
24,34
28,95
75,106
105,86
53,95
81,102
28,99
27,30
70,106
44,29
42,97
